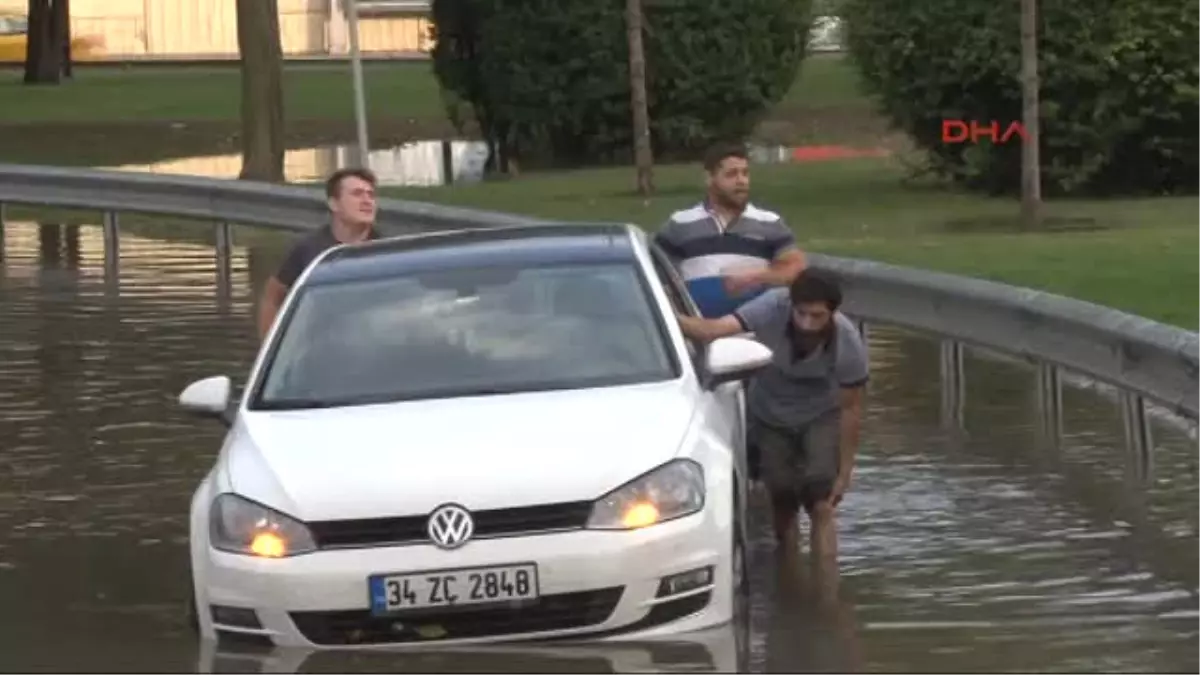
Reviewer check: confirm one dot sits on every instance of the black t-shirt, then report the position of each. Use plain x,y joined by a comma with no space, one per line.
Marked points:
306,250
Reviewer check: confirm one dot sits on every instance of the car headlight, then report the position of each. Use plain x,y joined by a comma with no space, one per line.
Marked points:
671,491
238,525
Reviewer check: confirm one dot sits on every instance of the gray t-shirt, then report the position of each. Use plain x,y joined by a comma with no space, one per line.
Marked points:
791,392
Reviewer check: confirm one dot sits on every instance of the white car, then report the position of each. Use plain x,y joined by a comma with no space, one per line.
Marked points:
477,436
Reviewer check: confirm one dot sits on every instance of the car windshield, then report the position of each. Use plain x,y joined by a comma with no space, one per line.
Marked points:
464,332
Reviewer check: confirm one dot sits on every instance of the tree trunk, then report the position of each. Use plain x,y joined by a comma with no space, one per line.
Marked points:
43,54
62,32
643,157
1031,174
262,90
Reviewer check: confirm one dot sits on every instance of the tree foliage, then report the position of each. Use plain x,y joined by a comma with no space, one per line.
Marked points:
1118,87
549,79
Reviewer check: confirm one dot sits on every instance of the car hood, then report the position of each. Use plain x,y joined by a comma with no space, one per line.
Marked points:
481,452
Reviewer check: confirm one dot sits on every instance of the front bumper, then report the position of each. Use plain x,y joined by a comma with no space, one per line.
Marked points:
594,584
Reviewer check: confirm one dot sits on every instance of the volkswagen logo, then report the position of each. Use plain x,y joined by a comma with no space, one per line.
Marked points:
450,526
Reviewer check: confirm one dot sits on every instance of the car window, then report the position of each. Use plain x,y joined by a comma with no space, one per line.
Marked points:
681,302
467,331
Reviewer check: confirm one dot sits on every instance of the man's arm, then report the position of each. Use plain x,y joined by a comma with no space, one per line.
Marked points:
276,289
765,310
850,401
273,295
852,371
788,262
707,330
787,265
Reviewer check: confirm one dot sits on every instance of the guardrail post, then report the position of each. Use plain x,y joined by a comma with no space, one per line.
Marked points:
862,329
112,244
1138,439
447,163
954,380
224,246
1049,403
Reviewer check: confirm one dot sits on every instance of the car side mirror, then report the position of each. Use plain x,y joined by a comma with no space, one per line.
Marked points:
209,397
733,358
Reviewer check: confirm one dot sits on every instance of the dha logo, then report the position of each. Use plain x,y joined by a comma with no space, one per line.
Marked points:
970,131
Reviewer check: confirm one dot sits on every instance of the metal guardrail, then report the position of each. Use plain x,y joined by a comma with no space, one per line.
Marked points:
285,207
1144,359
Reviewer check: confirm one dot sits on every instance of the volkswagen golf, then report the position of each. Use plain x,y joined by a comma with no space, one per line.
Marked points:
477,436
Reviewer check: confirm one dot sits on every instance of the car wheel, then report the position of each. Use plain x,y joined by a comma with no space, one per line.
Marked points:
192,610
741,598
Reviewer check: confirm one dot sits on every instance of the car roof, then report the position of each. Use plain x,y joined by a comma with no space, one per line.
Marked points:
525,245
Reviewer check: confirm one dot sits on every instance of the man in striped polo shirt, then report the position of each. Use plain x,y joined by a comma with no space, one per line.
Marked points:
727,250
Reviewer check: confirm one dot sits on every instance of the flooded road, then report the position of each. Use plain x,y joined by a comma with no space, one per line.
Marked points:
960,552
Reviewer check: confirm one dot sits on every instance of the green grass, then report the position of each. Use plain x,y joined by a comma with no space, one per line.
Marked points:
1140,255
213,93
826,81
404,89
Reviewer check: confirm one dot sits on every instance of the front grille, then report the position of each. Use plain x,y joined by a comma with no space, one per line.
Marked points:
457,660
522,520
550,612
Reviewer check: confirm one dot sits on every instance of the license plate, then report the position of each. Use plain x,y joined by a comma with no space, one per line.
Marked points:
450,588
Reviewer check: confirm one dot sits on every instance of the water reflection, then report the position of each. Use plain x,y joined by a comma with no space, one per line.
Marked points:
967,553
430,162
416,164
712,651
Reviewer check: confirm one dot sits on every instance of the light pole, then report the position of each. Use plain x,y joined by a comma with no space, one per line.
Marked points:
360,95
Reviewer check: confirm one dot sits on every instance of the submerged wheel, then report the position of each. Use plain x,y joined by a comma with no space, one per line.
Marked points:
741,598
193,612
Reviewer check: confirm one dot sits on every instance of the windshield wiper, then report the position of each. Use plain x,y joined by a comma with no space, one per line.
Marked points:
377,399
298,404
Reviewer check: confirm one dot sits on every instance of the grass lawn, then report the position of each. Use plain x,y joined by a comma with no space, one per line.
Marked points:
311,91
213,93
824,99
1136,255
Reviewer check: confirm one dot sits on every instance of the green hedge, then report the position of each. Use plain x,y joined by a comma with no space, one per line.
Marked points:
548,79
1118,87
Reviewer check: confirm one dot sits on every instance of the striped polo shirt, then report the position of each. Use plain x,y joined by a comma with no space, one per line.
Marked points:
703,249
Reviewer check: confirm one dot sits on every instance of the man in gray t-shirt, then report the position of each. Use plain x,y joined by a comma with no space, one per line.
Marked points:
805,407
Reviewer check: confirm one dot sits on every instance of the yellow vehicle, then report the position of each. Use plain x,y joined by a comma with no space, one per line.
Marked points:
14,29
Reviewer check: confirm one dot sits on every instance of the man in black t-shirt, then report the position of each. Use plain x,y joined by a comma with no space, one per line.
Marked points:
351,196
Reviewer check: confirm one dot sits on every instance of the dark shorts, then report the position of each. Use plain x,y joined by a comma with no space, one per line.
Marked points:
798,466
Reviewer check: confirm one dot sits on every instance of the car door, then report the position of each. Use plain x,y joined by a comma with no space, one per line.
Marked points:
724,407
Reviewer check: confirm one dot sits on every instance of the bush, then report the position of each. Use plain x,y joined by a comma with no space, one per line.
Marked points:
1118,87
549,80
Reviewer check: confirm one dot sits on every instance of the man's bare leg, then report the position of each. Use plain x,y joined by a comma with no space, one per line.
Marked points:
784,512
824,533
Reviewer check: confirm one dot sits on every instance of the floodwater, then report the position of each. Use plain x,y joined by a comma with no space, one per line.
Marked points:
961,552
421,163
425,163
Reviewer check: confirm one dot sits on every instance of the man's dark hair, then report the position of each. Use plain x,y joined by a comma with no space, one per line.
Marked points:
816,286
333,184
721,152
